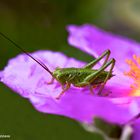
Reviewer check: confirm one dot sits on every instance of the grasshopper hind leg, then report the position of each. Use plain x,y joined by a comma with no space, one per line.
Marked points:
95,75
112,63
95,61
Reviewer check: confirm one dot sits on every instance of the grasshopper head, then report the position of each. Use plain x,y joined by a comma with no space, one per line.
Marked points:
56,73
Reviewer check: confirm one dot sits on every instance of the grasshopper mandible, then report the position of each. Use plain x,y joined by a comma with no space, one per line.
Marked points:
79,77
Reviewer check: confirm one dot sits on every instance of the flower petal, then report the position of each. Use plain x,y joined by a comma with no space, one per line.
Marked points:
94,41
27,78
83,107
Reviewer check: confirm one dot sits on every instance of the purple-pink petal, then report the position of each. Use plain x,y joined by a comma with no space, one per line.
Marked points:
84,107
27,78
94,41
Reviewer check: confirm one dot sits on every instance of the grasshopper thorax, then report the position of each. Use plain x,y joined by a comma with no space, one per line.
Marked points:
76,76
57,72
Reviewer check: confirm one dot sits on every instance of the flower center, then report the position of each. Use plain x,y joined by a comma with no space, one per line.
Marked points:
134,73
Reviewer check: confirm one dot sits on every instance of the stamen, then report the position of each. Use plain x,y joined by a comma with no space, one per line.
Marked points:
134,73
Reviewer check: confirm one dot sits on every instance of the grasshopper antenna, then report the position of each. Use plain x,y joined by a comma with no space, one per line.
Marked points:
20,48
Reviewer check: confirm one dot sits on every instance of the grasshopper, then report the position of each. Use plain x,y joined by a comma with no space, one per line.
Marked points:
79,77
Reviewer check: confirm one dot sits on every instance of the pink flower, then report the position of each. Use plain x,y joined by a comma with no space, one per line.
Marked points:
27,78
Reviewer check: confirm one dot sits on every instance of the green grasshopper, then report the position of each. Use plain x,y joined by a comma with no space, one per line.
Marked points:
79,77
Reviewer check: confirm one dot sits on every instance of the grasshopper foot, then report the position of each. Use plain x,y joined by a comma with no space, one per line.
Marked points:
91,89
59,96
51,82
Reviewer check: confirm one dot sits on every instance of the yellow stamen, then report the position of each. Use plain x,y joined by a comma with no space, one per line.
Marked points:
134,73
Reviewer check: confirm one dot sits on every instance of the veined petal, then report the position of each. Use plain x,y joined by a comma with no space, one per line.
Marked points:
27,78
94,41
83,107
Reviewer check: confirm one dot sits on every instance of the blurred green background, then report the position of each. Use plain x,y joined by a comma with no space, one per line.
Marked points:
40,24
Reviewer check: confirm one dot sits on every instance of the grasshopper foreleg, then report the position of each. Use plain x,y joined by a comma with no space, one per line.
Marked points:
64,89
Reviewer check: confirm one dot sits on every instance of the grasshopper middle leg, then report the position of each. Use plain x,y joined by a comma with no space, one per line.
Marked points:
64,89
